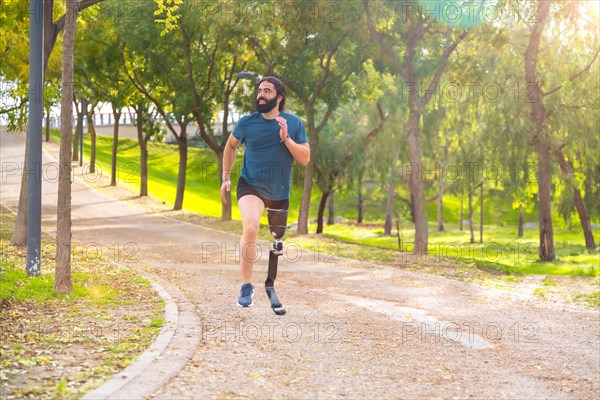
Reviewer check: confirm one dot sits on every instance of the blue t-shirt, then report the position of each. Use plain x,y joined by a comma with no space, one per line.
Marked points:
268,163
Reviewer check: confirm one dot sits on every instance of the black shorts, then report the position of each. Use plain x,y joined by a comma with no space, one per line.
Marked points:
243,189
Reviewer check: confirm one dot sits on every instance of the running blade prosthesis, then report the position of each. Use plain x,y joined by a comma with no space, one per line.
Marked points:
277,225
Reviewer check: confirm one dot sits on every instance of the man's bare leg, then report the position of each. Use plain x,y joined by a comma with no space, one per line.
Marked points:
251,208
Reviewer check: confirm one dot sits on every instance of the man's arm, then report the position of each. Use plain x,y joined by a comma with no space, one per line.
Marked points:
228,159
300,151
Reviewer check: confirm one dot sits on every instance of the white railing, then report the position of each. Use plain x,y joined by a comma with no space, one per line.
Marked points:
105,119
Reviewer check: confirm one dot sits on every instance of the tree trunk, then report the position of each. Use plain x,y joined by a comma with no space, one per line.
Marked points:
92,130
389,209
225,207
139,124
387,228
331,216
78,129
462,212
62,279
584,216
546,250
411,208
541,139
481,213
520,232
115,146
309,172
48,124
416,184
470,201
441,189
321,212
183,153
359,218
19,237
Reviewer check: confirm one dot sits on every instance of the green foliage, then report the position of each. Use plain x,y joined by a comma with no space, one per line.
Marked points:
457,14
501,248
167,9
592,298
202,193
185,56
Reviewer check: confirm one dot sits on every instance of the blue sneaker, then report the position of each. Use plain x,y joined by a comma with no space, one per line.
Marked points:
246,295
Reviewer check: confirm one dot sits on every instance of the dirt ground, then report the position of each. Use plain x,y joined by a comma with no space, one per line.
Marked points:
352,329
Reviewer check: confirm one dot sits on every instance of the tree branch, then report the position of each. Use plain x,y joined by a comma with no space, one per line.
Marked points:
87,3
441,67
60,23
324,119
327,67
379,39
142,89
370,136
572,78
190,68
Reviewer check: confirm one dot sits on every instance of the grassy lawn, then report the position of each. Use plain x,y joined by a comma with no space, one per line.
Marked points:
202,189
501,249
106,322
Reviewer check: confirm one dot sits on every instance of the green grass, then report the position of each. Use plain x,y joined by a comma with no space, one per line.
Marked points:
88,286
16,284
108,304
202,189
501,250
592,298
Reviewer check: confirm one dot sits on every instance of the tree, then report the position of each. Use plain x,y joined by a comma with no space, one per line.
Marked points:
62,277
334,158
426,50
148,126
212,61
353,127
566,166
574,148
95,42
198,63
156,66
51,30
389,209
315,56
14,30
542,139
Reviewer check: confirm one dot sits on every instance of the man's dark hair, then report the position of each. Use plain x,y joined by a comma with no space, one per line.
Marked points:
279,88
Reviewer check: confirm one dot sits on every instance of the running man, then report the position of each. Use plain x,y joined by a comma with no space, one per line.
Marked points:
273,139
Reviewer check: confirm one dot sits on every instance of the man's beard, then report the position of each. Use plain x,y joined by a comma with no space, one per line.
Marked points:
268,106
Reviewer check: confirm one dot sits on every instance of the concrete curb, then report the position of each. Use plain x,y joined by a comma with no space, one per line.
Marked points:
168,354
165,357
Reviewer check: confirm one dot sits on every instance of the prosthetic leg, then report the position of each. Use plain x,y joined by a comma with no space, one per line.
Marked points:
277,225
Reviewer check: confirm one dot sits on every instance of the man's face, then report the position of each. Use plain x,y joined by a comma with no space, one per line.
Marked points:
266,97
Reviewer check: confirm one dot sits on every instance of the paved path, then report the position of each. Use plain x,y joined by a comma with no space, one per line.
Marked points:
351,331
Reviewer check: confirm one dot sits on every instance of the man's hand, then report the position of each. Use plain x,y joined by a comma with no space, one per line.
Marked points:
225,187
283,131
